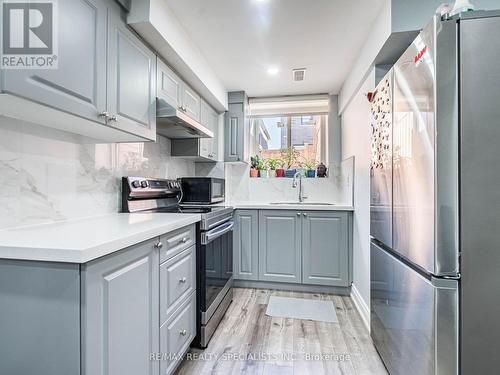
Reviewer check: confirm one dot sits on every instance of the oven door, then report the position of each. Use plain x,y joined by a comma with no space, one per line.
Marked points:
215,268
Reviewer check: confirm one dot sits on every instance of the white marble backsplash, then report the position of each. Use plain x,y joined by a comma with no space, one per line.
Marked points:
49,175
337,188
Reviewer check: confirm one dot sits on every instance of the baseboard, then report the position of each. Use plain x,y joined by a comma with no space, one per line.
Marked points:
344,291
361,306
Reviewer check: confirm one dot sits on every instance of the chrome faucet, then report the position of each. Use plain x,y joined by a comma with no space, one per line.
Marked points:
294,185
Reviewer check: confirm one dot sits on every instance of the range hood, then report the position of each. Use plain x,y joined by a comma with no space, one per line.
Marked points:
174,123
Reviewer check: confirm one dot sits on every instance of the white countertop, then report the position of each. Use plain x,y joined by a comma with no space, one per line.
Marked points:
305,206
82,240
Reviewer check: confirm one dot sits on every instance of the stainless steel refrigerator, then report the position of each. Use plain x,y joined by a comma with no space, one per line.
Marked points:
435,202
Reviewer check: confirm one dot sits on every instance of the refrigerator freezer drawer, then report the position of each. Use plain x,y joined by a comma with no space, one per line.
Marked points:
414,321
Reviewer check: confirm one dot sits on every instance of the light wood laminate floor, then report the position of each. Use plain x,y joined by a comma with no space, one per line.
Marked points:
248,341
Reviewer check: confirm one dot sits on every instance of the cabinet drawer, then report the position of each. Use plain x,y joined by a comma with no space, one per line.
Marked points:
177,241
177,334
177,281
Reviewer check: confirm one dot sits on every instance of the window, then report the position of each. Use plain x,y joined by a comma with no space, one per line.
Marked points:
305,134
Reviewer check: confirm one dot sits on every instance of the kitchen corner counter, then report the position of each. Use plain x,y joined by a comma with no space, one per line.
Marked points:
291,206
82,240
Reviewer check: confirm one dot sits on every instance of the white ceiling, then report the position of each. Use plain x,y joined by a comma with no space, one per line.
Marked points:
241,39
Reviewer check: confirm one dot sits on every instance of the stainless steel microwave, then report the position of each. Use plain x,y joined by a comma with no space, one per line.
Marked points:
202,190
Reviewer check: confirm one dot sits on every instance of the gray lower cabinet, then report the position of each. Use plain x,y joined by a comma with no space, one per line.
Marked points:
306,247
246,245
176,334
120,312
39,318
114,315
131,81
325,248
78,85
280,254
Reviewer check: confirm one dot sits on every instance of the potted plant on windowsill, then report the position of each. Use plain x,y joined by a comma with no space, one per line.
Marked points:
262,168
273,164
254,160
280,172
310,166
289,156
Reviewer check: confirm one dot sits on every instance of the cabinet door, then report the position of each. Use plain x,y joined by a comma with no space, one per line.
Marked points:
245,245
131,81
210,119
280,246
120,313
234,128
325,248
168,85
214,126
206,144
191,102
78,85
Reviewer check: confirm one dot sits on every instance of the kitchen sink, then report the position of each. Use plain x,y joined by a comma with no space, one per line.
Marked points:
303,203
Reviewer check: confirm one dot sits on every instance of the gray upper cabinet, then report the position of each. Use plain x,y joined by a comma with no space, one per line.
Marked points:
120,313
200,149
191,103
246,246
131,85
210,119
78,85
177,93
236,128
280,240
169,85
325,248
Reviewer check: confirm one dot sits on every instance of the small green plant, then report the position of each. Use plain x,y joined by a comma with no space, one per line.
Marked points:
261,165
310,164
254,161
289,156
274,163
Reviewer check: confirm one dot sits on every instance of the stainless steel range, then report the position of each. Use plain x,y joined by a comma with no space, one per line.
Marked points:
214,245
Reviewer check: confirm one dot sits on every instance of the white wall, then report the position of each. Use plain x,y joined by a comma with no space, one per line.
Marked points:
379,33
157,24
50,175
356,142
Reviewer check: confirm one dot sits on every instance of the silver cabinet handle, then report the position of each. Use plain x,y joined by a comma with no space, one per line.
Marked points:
159,245
298,213
183,280
184,240
103,114
183,332
113,118
304,214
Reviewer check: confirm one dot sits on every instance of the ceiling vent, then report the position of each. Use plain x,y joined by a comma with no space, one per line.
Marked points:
299,74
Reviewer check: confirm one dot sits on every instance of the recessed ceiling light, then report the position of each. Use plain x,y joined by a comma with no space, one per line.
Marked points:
272,71
261,1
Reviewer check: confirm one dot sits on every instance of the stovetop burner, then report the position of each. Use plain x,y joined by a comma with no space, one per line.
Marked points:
150,195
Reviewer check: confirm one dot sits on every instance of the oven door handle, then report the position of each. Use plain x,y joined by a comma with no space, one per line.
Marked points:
217,232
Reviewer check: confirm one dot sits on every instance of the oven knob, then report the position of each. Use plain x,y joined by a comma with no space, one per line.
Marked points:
144,184
136,184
